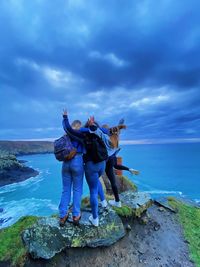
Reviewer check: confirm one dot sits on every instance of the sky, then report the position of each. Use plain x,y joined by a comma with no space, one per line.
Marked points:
138,60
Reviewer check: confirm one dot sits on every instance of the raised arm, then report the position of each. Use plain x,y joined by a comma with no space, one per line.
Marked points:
68,129
116,129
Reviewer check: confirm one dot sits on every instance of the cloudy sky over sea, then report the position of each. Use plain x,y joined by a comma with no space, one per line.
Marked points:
139,60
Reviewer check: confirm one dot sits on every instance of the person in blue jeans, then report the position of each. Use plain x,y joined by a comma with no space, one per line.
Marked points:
92,170
72,177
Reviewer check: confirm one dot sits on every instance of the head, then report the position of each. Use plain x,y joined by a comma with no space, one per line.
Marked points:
76,125
90,123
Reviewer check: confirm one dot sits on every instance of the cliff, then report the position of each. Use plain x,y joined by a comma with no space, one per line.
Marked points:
26,147
12,171
144,234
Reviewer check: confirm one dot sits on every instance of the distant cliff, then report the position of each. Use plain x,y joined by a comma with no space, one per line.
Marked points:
13,171
26,147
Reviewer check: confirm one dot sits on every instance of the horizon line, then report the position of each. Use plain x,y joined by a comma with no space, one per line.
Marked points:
128,141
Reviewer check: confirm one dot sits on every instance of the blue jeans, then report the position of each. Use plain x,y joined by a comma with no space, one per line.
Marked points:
72,176
92,173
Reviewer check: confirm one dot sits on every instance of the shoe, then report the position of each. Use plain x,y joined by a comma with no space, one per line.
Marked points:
93,221
104,203
114,203
76,219
132,171
63,220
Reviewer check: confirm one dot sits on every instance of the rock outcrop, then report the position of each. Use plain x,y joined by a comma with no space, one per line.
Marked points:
123,184
137,202
12,171
46,238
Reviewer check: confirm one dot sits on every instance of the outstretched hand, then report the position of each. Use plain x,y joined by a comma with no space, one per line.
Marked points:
91,120
64,111
133,171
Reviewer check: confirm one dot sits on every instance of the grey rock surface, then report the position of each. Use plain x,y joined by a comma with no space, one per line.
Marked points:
137,201
46,238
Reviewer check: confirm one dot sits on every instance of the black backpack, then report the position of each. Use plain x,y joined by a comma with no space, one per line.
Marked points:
95,147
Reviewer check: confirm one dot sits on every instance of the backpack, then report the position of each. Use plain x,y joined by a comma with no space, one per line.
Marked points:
95,148
63,148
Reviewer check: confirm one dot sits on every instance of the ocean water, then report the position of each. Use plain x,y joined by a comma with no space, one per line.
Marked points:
170,169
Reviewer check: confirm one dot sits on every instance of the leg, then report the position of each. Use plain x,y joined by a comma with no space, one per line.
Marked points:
111,176
100,187
92,178
66,191
77,176
100,191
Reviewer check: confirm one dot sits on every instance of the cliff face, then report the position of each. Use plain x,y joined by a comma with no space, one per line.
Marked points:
26,147
12,171
153,240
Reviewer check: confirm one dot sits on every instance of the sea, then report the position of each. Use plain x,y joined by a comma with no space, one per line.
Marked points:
165,170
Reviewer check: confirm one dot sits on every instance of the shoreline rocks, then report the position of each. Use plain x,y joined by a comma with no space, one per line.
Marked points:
13,171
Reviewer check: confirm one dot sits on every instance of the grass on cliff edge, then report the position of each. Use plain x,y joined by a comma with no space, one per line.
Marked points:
189,217
11,246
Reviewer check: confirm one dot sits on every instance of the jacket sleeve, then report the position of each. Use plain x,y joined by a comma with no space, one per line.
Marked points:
115,130
68,129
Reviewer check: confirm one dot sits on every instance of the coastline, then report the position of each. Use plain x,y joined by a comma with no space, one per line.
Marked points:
16,175
155,239
13,170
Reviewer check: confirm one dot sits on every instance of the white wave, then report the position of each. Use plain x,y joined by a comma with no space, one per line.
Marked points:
164,192
13,210
29,182
197,201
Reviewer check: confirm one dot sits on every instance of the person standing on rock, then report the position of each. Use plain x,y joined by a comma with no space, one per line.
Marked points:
94,160
72,177
111,162
114,138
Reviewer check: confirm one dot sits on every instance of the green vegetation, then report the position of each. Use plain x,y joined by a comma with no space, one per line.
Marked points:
11,246
189,217
76,242
124,211
85,202
126,184
8,161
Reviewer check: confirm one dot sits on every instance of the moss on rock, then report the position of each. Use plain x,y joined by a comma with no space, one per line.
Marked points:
125,211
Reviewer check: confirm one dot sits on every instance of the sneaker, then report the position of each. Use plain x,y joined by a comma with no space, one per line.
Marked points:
132,171
114,203
93,221
104,203
63,220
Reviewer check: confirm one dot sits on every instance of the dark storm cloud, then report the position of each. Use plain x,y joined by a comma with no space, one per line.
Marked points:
137,59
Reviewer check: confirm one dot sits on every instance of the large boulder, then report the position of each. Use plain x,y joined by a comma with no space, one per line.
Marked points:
123,184
134,204
46,238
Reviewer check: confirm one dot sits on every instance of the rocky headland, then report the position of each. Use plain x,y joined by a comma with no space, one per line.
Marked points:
19,148
13,171
141,233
